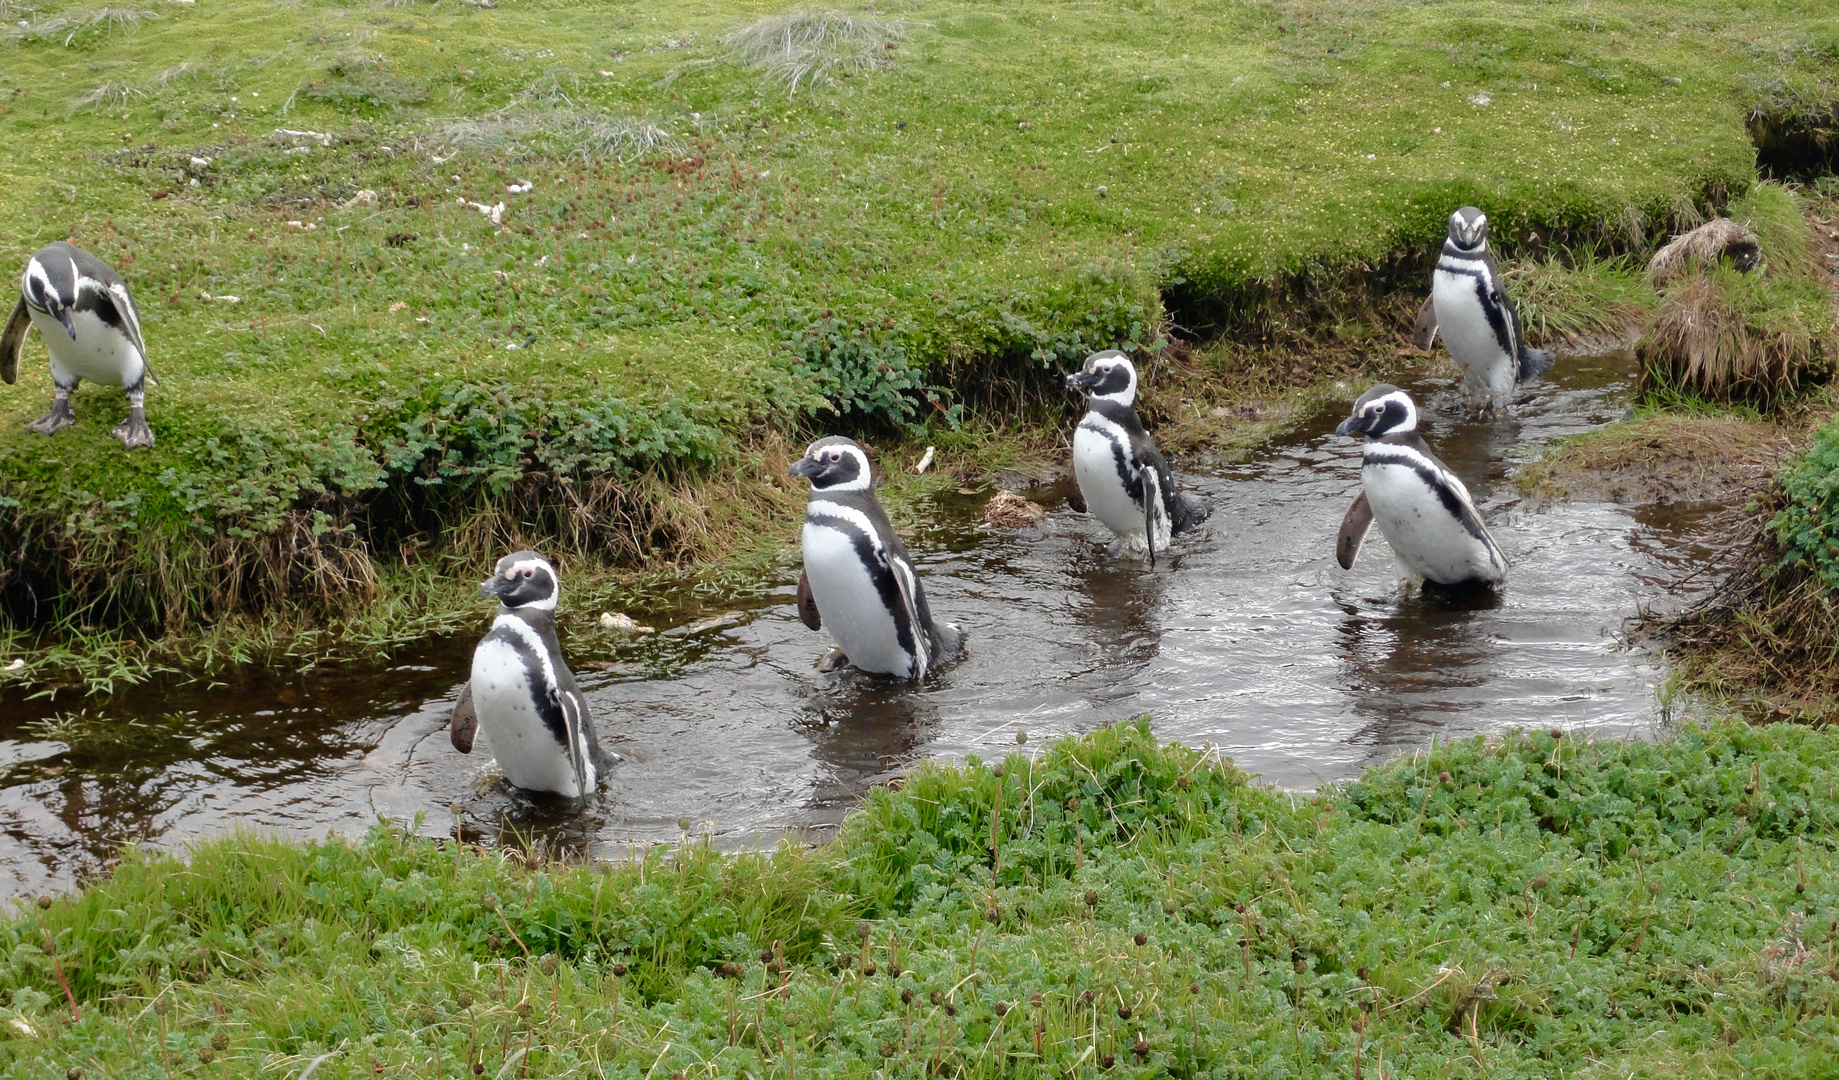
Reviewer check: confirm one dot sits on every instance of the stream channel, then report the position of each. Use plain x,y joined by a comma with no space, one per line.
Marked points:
1246,636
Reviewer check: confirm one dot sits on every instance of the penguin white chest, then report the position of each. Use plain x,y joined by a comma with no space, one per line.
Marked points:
505,696
1463,319
99,353
1101,461
1427,537
847,583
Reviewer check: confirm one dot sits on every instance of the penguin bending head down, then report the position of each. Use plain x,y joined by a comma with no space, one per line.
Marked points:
91,329
522,697
858,580
1470,307
1123,479
1422,508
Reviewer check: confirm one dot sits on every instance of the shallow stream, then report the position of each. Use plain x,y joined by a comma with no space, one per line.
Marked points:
1247,636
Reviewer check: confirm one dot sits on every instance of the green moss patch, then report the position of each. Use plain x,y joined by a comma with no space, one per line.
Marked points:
323,211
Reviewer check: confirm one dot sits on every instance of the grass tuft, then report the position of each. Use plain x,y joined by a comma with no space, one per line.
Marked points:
815,48
586,134
1756,336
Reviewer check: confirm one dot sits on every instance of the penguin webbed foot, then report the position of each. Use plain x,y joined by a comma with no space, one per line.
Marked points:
834,660
133,431
61,416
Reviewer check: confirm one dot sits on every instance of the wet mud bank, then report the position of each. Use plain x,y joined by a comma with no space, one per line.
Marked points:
1246,636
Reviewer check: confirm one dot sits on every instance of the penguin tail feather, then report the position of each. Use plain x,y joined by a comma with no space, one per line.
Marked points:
1190,511
1534,363
947,641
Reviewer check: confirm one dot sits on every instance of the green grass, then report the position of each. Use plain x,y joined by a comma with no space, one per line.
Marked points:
711,256
1535,906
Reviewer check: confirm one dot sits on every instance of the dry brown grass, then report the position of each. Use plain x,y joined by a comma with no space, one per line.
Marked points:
1719,238
1766,641
1702,344
1664,458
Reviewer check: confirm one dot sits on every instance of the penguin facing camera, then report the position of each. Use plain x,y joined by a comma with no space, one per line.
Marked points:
858,581
1122,479
521,696
1422,509
1480,325
83,310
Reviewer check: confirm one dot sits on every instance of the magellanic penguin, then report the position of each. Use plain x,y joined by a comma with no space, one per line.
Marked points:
1122,477
522,697
858,580
1470,307
1422,508
91,329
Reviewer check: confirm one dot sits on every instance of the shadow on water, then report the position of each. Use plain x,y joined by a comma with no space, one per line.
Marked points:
1247,636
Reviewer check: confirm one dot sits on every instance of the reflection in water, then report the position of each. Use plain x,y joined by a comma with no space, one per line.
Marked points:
1246,636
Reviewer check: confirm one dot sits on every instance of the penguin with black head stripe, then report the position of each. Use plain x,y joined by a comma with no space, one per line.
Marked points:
83,310
1421,507
1124,480
1480,325
522,697
858,580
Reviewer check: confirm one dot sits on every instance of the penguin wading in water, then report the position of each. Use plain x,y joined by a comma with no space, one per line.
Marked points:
1470,307
522,697
858,580
1123,479
91,329
1422,508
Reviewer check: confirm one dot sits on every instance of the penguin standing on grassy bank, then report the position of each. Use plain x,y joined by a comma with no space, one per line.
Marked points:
522,696
91,329
1470,307
858,580
1124,480
1422,508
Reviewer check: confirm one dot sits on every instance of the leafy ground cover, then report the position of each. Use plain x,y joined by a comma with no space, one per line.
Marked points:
1537,906
422,280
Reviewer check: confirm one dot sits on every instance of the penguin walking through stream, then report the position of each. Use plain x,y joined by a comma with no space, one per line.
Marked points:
1123,479
858,580
1480,325
83,310
1423,510
521,696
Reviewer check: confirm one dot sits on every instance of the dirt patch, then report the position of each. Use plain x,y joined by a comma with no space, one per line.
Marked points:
1664,459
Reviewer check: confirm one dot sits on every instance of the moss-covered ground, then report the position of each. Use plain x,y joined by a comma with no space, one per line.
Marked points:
372,377
1538,906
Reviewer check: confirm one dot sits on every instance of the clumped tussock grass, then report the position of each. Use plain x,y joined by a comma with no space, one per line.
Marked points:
562,131
1523,907
1584,301
110,95
814,48
1757,336
71,26
1717,239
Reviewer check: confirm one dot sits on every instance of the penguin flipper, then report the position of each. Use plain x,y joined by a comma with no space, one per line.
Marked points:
807,604
465,723
1424,334
12,340
1075,498
913,603
581,742
1353,531
1534,363
1190,511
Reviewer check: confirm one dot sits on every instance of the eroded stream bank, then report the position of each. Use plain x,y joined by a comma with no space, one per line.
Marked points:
1247,637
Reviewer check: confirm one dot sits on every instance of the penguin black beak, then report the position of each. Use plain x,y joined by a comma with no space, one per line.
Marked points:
805,467
496,585
1355,425
62,312
1082,380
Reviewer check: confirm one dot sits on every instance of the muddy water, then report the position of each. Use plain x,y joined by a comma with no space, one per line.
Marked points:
1247,636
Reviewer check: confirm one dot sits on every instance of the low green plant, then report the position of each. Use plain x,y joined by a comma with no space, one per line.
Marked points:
1530,906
